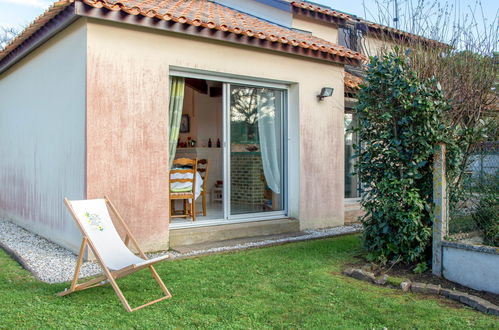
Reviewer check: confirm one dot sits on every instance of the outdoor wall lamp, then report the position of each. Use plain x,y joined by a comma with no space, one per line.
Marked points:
325,92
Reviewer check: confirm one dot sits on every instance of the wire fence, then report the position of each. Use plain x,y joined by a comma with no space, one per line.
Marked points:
474,207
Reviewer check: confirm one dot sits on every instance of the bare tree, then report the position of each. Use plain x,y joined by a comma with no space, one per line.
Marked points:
6,35
460,52
461,28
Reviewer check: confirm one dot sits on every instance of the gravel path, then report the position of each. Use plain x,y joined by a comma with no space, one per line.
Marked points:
45,260
51,263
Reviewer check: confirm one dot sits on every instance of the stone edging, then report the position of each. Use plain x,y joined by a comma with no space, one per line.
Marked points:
14,255
475,302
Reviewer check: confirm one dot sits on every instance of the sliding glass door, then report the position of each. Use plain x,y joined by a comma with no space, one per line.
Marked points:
255,150
238,128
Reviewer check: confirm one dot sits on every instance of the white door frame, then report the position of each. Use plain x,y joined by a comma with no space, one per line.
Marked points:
227,80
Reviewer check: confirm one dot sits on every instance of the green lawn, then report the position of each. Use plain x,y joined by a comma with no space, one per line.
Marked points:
289,286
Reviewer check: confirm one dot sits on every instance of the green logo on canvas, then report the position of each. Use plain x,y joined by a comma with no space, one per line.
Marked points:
94,221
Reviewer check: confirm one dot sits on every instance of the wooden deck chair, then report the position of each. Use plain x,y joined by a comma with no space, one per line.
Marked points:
187,177
95,223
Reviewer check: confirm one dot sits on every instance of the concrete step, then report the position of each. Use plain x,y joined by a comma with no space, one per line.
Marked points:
199,235
234,242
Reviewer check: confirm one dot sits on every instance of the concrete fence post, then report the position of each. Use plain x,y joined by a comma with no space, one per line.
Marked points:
440,208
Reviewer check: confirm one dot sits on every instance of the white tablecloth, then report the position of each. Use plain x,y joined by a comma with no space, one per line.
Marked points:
183,185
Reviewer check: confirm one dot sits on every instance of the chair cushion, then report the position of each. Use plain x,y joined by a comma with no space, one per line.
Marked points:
186,189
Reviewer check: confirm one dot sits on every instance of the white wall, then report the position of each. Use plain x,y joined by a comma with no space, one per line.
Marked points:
324,30
209,118
276,11
42,132
205,117
474,269
375,45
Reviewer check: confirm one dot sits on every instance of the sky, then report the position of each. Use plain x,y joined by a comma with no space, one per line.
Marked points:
18,13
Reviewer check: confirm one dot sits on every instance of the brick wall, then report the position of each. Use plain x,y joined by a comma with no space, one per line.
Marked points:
248,184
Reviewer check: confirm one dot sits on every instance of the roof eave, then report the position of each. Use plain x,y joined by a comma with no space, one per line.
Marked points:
48,30
212,34
74,10
404,36
318,16
312,11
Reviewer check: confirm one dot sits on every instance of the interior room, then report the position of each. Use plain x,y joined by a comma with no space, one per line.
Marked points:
250,161
200,137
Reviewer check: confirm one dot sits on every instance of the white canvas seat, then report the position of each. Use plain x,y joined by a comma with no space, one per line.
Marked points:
115,254
116,259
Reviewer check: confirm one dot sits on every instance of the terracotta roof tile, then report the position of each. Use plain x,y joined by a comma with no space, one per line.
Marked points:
320,9
377,27
199,13
351,81
214,16
400,33
40,21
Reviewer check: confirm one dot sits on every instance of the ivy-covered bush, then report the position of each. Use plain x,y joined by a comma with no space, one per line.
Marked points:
400,123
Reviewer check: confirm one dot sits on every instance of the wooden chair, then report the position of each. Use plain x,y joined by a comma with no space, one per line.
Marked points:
115,258
185,180
203,167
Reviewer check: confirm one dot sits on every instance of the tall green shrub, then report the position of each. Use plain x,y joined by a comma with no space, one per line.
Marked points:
400,122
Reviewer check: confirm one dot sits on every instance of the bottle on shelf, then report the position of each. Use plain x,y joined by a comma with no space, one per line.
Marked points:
209,143
218,143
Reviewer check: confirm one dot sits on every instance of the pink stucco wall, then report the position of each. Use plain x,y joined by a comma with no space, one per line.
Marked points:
126,142
127,102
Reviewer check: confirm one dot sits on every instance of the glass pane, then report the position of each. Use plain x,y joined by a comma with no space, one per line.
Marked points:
351,180
256,152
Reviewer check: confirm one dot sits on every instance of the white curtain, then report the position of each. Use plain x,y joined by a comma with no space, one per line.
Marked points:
269,135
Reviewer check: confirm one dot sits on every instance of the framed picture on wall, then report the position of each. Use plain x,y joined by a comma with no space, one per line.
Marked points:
184,124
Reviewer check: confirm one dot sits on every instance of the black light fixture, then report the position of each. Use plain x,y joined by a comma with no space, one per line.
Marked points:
325,92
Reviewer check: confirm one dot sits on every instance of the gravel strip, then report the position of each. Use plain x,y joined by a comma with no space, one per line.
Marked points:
51,263
45,260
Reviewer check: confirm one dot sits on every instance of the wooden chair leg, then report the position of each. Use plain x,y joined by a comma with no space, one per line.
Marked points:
160,281
110,277
203,194
74,282
98,281
172,207
117,290
122,298
78,264
193,210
